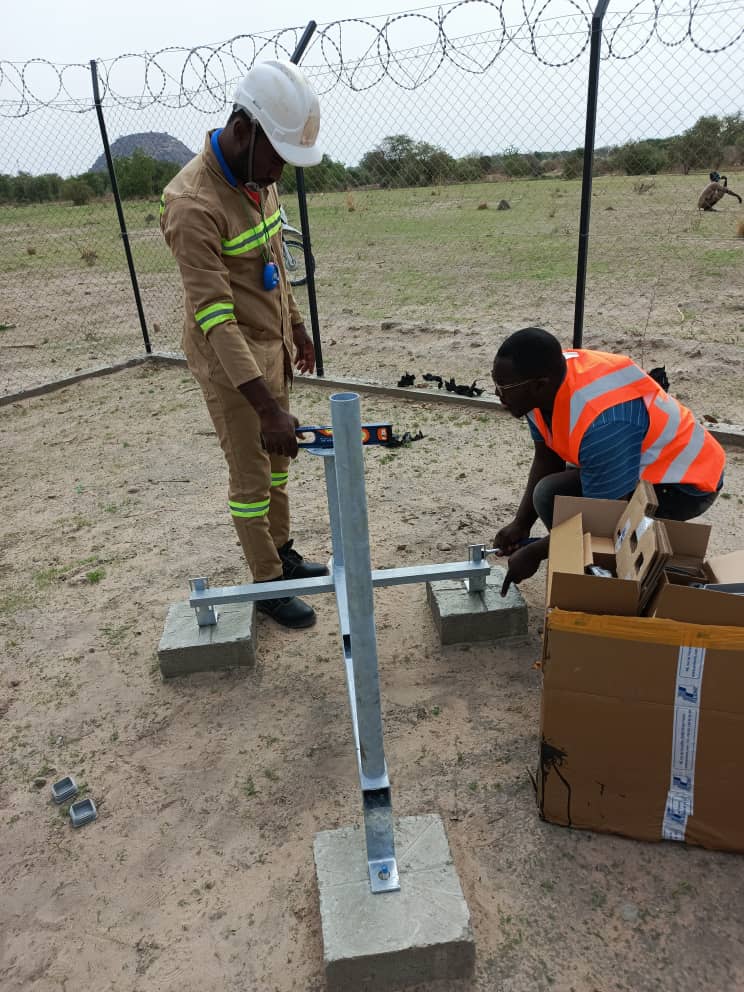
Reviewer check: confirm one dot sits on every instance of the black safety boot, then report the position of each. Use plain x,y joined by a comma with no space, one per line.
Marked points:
294,565
289,611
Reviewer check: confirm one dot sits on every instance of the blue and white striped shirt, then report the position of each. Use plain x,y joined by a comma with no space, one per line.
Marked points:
610,452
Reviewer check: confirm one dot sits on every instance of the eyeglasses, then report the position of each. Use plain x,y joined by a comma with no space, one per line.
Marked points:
500,390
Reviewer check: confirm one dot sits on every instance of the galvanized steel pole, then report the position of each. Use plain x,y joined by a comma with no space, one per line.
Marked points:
352,509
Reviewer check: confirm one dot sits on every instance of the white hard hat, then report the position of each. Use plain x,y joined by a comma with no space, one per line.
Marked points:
277,95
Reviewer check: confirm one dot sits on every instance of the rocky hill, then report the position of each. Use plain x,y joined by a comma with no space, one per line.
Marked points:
156,144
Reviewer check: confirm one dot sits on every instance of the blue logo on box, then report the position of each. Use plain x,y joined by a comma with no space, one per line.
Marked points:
683,782
689,695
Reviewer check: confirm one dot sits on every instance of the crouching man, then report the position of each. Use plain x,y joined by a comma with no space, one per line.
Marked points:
599,424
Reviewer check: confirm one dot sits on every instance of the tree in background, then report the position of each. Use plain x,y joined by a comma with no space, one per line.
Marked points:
732,138
639,158
521,166
135,175
699,147
99,182
140,176
326,175
573,165
25,188
400,161
472,168
76,190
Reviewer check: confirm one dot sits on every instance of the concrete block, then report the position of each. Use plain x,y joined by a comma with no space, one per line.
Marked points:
186,647
726,434
374,942
465,617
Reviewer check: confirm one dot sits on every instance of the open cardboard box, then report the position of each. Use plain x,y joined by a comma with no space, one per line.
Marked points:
642,716
676,599
584,532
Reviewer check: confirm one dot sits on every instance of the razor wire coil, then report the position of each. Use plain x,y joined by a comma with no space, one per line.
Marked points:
201,77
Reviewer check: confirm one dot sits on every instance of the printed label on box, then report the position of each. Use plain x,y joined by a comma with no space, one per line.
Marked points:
687,692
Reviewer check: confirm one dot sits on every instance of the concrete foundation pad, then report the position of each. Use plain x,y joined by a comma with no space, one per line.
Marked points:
465,617
384,941
186,647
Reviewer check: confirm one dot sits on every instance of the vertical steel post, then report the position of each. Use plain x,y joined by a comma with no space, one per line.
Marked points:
117,201
352,503
354,594
586,182
477,583
329,461
312,298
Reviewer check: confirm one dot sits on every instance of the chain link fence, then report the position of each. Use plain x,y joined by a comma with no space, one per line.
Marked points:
448,195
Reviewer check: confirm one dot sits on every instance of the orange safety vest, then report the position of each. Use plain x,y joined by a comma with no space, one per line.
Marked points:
676,449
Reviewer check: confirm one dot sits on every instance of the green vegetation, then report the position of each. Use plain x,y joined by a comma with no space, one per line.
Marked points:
137,176
429,254
47,576
399,161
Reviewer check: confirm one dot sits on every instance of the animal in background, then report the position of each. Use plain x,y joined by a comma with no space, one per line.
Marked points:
716,189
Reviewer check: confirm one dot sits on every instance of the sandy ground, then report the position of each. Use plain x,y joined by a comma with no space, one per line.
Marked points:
198,873
98,326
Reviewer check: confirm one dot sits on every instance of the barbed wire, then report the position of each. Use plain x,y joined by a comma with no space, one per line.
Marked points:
202,77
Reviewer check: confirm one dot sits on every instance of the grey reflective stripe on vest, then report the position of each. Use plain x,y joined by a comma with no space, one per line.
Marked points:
671,408
681,464
604,384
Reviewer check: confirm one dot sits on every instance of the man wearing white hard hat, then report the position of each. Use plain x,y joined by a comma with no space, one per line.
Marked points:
243,331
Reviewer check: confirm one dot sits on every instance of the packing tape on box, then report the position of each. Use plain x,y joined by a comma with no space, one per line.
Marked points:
653,630
688,687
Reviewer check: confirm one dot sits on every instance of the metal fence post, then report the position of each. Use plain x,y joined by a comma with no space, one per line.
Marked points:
586,182
117,201
305,226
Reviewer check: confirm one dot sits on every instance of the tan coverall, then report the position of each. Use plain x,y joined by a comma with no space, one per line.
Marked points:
235,331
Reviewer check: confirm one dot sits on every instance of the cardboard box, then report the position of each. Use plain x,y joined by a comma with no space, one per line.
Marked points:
642,716
641,728
569,588
676,599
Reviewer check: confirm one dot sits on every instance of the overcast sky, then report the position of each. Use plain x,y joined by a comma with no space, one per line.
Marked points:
657,83
79,30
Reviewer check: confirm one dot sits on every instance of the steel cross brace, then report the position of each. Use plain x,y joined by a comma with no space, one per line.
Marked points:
353,580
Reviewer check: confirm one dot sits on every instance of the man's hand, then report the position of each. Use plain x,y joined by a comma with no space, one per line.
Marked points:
305,357
524,563
277,425
278,432
509,538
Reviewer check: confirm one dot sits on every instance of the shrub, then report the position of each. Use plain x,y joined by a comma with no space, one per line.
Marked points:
77,191
639,158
